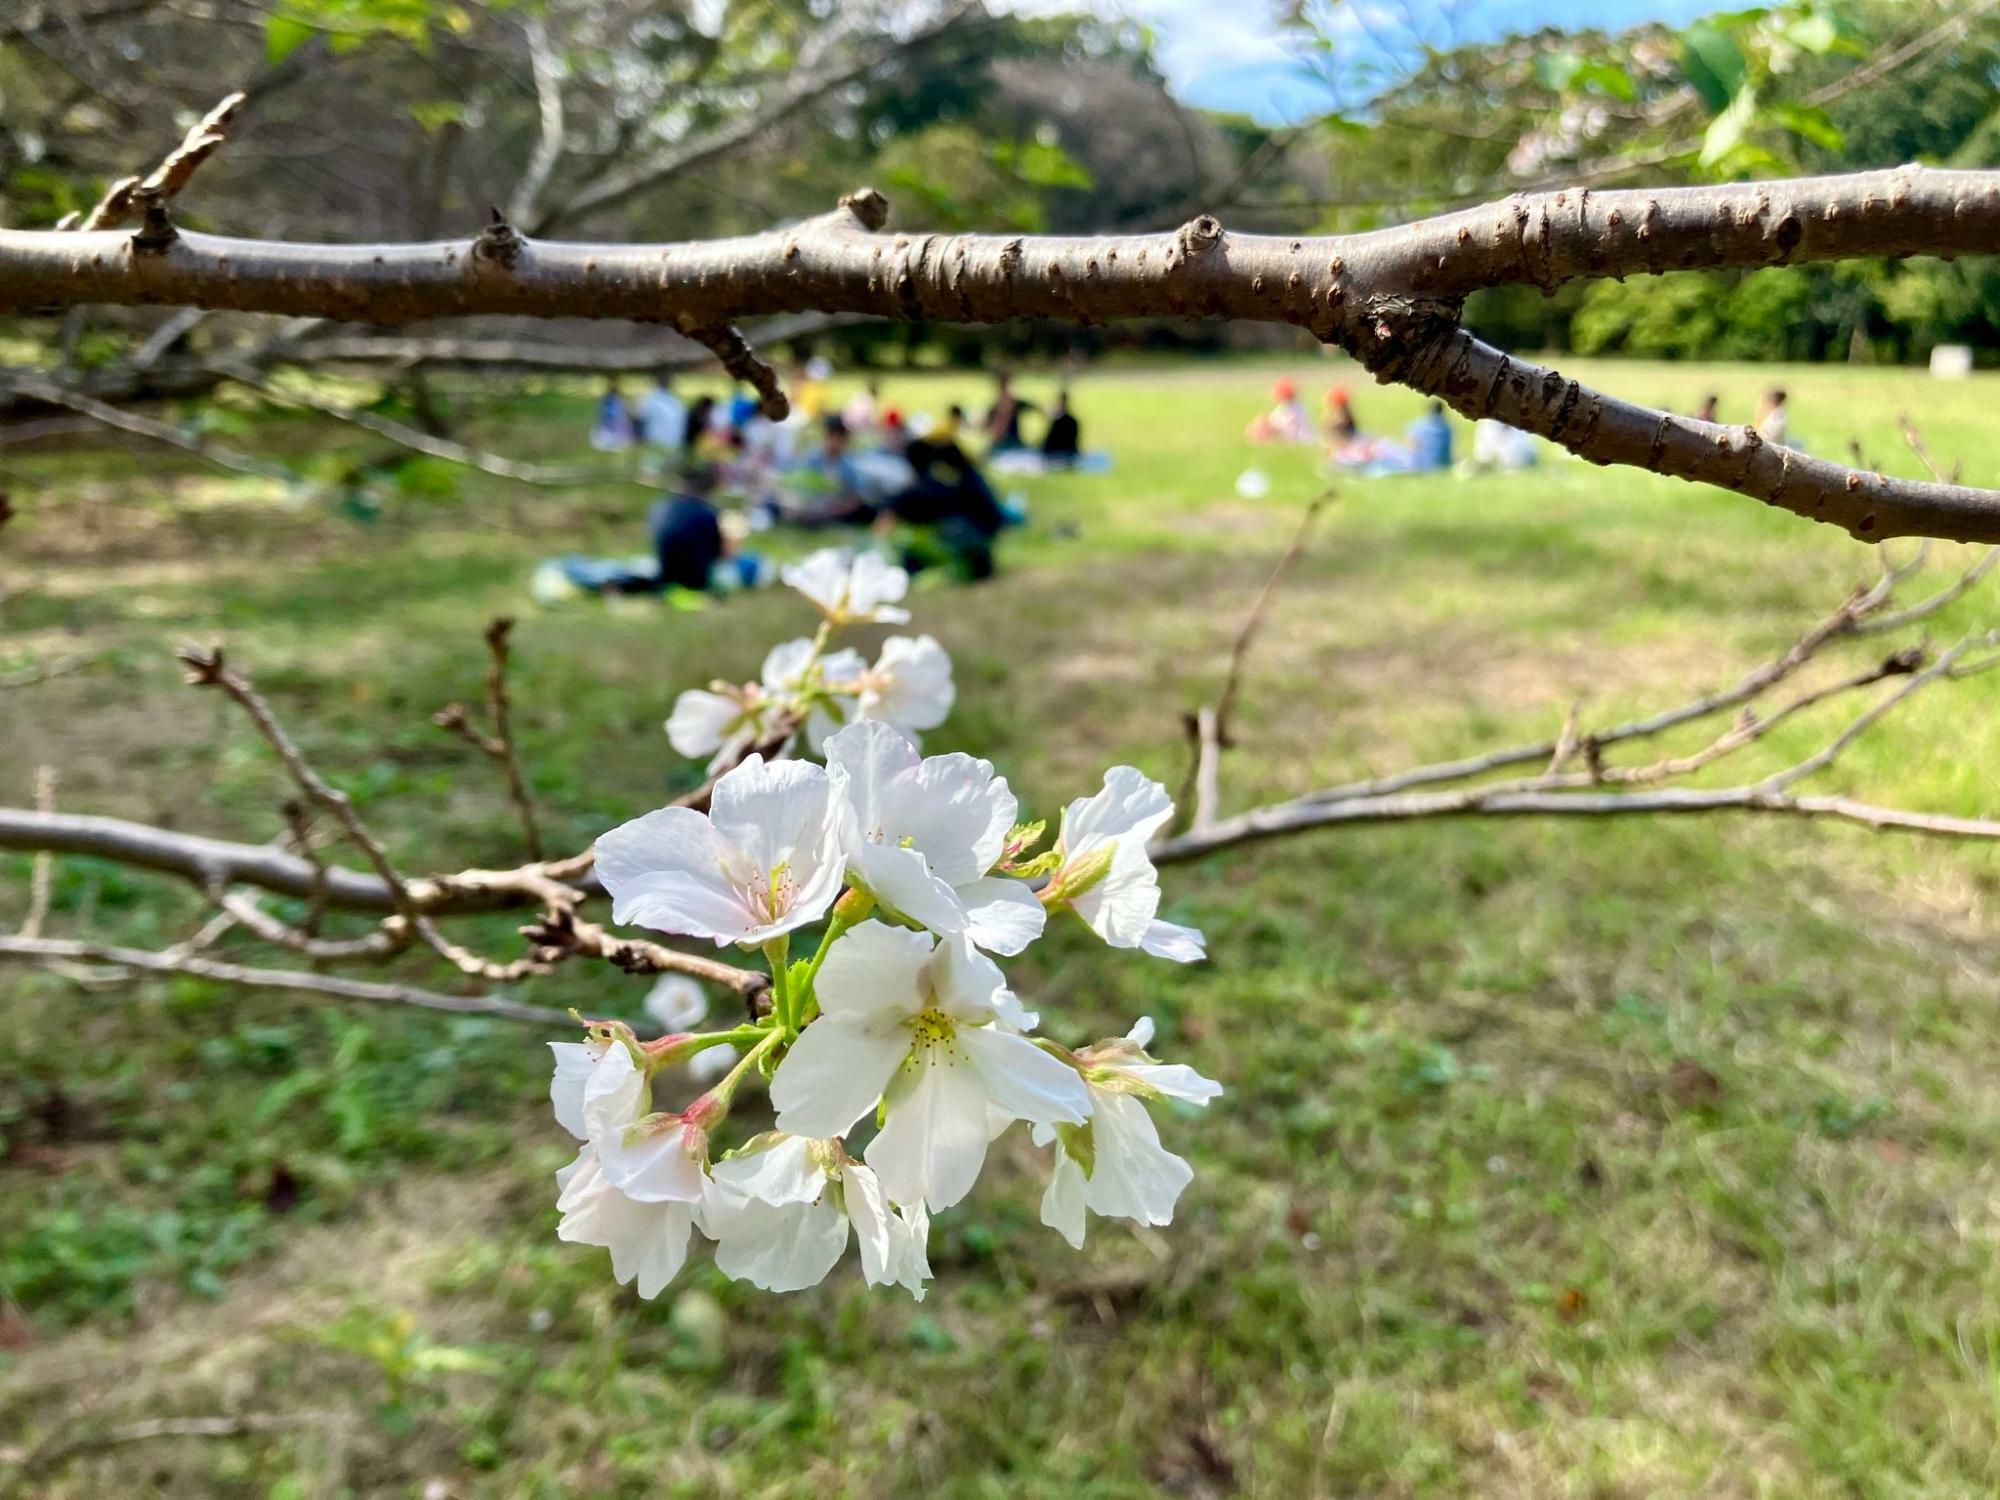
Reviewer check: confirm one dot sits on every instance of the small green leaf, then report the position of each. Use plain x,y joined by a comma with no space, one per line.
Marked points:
284,35
1726,131
1713,61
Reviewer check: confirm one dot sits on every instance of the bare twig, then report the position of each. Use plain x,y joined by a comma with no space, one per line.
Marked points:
1208,730
71,1443
29,676
330,985
498,745
206,668
740,361
1207,765
54,393
41,879
126,195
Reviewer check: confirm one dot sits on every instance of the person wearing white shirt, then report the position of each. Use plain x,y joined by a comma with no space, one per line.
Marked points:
662,417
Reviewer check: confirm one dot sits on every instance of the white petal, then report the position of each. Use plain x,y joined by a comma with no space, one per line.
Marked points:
910,685
1024,1080
670,870
776,812
677,1002
1062,1200
1184,945
875,584
909,1249
575,1062
1121,906
701,721
1177,1080
822,577
868,1211
951,810
1141,1034
864,761
904,881
580,1193
1131,805
784,665
1002,914
841,669
968,986
1133,1176
779,1247
652,1164
648,1241
833,1075
614,1095
934,1142
774,1169
825,721
875,972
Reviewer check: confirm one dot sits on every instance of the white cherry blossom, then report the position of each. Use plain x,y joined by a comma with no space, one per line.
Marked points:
921,834
1106,876
909,1020
1115,1166
648,1241
648,1157
781,1210
763,860
851,588
909,686
725,719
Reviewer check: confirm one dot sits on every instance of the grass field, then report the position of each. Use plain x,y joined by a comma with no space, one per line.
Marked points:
1603,1157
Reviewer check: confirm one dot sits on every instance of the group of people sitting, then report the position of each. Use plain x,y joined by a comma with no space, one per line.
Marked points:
730,471
1772,419
1425,447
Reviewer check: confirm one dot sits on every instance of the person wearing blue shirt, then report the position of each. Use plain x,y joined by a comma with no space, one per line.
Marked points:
1430,438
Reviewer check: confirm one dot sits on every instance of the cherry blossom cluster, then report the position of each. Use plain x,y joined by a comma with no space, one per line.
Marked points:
896,1053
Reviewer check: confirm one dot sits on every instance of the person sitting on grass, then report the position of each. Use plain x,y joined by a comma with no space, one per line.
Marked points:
953,507
1285,422
663,417
839,485
1063,441
1003,421
1430,439
612,431
1772,423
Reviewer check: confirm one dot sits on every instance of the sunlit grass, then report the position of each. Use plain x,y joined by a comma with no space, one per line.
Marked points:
1585,1158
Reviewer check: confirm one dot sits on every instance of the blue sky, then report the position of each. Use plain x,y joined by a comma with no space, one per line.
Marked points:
1233,54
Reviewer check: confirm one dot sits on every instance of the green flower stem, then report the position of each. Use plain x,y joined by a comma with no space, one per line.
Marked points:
778,954
724,1091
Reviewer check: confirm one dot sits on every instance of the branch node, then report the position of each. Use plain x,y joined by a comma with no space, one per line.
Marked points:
498,242
156,232
1200,235
868,206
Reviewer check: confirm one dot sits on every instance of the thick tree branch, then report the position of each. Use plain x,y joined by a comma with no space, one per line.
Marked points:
1392,296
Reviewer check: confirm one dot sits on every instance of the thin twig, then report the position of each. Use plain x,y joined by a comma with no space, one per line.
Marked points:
1211,736
331,985
206,668
41,881
499,745
171,175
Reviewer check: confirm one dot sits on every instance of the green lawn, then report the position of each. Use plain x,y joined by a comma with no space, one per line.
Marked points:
1602,1157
